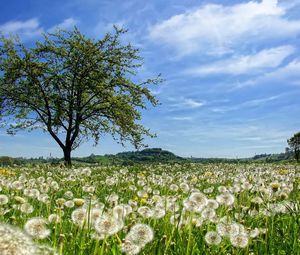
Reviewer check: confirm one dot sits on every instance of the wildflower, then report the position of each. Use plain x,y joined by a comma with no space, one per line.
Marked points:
158,213
184,187
113,198
222,189
208,213
17,185
54,218
45,250
3,199
227,229
213,238
14,241
20,200
197,221
198,198
78,201
95,213
212,204
145,212
108,225
86,171
275,186
69,204
79,216
140,235
68,194
225,199
129,248
256,201
60,202
192,206
26,208
174,187
254,233
240,240
142,194
33,193
36,228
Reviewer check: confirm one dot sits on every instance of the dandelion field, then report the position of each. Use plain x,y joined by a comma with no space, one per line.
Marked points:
150,209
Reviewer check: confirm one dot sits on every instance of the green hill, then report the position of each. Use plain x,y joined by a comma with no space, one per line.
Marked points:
152,155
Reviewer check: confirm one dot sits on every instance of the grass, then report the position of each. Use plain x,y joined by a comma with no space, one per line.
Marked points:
276,216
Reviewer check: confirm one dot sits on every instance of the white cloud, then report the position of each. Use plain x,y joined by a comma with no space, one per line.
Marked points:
184,118
247,104
26,29
287,75
186,103
66,24
268,58
30,29
218,29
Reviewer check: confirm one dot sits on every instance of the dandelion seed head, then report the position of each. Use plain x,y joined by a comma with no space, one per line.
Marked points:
129,248
79,216
54,218
213,238
26,208
108,225
145,211
36,227
240,240
140,235
13,241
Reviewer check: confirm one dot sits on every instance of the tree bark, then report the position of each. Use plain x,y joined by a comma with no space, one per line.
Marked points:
297,154
67,156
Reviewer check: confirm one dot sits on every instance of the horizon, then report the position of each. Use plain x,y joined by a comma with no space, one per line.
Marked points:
230,91
107,154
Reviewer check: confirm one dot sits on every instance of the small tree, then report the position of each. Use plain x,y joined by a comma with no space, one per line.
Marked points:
74,88
294,144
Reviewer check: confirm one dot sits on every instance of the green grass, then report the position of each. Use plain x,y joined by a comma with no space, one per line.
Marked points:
278,215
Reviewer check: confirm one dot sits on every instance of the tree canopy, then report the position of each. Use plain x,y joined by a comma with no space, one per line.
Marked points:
294,144
75,88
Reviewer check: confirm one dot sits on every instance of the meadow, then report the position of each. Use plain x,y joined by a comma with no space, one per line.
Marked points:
157,209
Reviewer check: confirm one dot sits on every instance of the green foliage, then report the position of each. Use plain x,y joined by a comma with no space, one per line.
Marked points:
6,161
150,155
75,88
294,144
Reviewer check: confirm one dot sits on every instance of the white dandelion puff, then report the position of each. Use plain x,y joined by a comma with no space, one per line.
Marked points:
129,248
108,225
36,227
140,235
3,199
13,241
240,240
213,238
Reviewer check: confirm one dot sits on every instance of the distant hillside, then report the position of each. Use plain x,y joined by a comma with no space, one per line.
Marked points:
149,155
153,155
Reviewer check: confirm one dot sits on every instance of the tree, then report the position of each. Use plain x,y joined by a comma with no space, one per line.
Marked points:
294,144
75,88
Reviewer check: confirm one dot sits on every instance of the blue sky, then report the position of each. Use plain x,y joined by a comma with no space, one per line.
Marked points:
232,70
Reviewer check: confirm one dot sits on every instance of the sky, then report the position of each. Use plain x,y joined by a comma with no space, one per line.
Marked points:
231,70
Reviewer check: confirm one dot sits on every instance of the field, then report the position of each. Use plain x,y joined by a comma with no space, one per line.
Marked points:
150,209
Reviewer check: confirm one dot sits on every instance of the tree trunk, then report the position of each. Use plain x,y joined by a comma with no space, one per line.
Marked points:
67,156
297,154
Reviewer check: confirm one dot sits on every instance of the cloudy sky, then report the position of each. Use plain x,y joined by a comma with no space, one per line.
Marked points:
231,70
